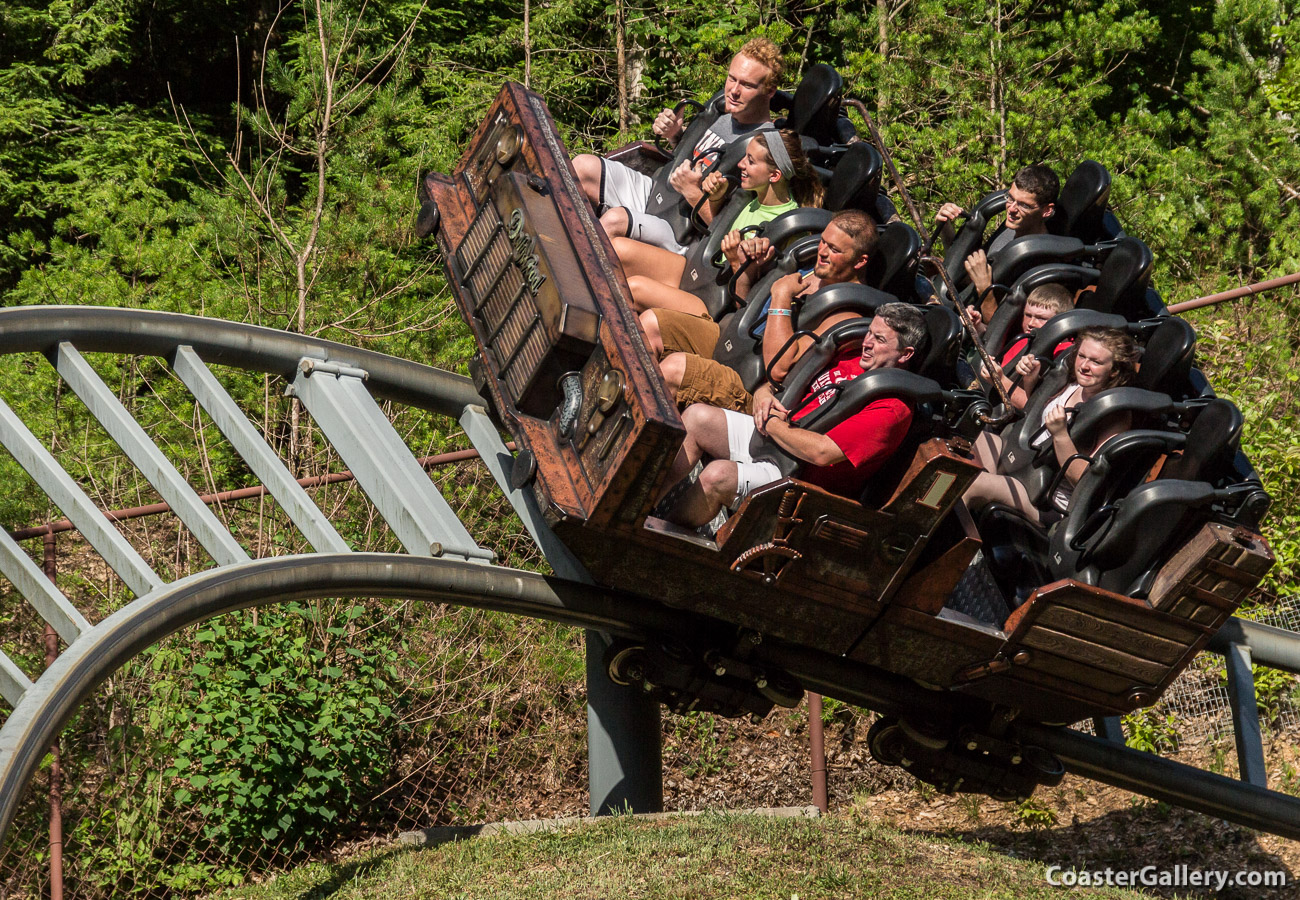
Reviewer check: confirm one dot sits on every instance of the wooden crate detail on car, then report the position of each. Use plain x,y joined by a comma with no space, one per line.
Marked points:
1118,650
1207,579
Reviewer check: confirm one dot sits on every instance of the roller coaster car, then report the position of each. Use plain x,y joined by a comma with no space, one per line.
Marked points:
884,580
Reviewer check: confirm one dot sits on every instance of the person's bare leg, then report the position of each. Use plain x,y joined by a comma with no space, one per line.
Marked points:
650,293
650,261
705,498
673,368
706,432
615,221
989,488
653,338
987,449
588,167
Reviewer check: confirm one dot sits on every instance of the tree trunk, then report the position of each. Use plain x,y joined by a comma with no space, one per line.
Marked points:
621,52
882,47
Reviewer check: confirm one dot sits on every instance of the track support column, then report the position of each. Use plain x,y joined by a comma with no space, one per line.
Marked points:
624,741
1245,715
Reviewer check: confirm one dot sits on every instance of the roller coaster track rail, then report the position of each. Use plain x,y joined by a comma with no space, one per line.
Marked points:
341,388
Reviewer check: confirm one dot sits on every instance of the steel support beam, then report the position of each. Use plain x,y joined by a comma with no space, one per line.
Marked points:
1163,779
624,741
69,497
624,733
383,465
211,532
1276,648
252,448
1110,728
48,704
14,683
1245,715
39,591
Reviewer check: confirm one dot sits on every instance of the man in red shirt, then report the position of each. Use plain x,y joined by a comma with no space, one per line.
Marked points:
841,460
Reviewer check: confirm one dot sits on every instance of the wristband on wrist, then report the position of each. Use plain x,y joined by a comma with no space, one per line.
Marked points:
779,312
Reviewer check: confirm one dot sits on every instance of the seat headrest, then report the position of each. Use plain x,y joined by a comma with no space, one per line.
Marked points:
971,236
943,333
911,388
817,357
1023,254
1122,282
1066,325
892,266
856,181
1082,203
816,104
1142,405
834,298
1167,359
1211,443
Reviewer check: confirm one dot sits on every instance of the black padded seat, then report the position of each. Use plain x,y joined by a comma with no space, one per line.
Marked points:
1212,442
665,202
1034,250
855,182
1081,206
893,262
892,267
743,350
934,410
855,185
815,108
1169,346
943,335
1120,527
1122,281
971,236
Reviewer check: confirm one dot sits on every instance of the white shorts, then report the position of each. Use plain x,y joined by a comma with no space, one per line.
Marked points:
625,187
628,188
751,473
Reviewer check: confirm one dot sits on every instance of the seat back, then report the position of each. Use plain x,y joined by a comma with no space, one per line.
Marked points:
835,298
853,186
667,204
1170,345
1032,251
855,181
1081,205
849,398
1122,281
937,360
1212,442
1006,322
971,236
816,105
892,266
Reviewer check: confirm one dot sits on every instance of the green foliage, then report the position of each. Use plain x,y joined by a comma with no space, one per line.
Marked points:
1034,813
1275,690
177,157
700,730
1150,732
277,739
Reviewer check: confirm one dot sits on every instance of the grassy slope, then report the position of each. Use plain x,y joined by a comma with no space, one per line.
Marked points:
713,855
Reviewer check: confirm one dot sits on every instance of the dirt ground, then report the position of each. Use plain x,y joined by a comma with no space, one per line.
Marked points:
1079,825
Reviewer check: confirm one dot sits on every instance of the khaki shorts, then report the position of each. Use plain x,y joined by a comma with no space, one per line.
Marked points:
709,381
683,332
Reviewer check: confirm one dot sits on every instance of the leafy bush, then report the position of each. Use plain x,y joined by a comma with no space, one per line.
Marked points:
277,739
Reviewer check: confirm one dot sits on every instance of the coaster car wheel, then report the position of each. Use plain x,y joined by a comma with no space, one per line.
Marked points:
887,743
625,664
